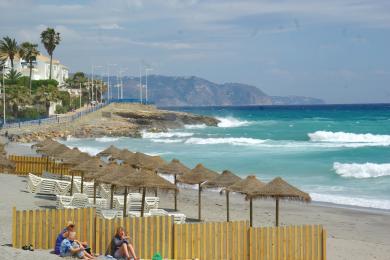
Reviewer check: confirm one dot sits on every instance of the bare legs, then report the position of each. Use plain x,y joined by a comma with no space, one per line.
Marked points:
125,249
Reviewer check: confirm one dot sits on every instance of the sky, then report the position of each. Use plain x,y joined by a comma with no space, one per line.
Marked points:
337,50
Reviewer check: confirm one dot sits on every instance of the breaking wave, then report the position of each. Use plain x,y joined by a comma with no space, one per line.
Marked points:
107,139
229,140
231,122
200,126
361,171
150,135
337,137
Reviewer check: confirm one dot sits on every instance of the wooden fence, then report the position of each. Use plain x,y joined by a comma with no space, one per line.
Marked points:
37,165
149,235
210,240
214,240
288,242
41,227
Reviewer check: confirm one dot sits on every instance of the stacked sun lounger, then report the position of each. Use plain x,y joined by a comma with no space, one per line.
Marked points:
78,200
36,184
178,218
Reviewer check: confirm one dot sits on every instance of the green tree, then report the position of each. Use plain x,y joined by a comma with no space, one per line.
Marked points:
13,77
29,52
8,49
45,95
50,39
17,97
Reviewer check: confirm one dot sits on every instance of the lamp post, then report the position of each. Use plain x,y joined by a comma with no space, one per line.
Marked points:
4,95
140,85
146,83
81,93
108,80
93,69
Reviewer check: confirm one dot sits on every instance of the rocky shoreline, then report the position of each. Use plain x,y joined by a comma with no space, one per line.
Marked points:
114,120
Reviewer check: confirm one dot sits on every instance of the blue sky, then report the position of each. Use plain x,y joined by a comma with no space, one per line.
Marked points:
337,50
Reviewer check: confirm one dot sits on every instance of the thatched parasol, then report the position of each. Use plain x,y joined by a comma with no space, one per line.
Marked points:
122,155
144,161
111,174
53,149
226,179
110,151
93,164
280,189
198,175
44,143
247,186
175,168
6,164
144,179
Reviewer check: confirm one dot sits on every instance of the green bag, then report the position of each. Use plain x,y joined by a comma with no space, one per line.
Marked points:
157,256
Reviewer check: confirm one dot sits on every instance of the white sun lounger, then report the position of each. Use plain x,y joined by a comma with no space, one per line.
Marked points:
33,182
178,218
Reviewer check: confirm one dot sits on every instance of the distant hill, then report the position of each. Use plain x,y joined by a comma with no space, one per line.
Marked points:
195,91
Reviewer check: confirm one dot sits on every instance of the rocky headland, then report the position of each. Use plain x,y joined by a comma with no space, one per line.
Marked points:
117,119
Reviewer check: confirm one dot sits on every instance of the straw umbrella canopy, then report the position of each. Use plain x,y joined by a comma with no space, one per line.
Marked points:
71,158
6,164
144,179
53,149
198,175
92,164
175,168
141,160
110,151
247,186
224,180
280,189
122,154
45,142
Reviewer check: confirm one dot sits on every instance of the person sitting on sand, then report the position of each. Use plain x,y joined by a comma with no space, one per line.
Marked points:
71,247
64,234
120,245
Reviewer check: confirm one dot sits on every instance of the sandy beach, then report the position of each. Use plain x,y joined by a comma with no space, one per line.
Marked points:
353,233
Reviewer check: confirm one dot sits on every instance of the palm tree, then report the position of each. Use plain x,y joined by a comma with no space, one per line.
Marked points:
46,94
13,76
29,52
50,39
17,97
8,49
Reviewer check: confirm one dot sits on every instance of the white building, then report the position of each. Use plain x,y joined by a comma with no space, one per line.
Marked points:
41,69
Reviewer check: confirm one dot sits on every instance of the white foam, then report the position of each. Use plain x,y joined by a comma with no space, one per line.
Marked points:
150,135
231,122
107,139
167,141
364,170
351,201
229,140
337,137
199,126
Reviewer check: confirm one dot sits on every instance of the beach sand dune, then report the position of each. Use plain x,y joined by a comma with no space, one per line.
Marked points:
356,234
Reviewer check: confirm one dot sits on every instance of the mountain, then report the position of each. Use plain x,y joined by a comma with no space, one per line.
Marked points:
195,91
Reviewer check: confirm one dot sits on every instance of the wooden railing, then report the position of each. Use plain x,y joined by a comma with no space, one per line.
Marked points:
214,240
37,165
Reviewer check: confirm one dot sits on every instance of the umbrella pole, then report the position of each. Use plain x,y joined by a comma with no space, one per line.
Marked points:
47,163
227,205
175,194
71,184
250,212
199,202
125,203
143,201
112,197
277,212
94,192
155,192
82,182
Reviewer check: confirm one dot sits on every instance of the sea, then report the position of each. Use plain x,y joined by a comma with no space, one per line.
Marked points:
340,154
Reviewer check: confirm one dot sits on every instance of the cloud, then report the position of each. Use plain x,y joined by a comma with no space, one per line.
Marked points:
110,26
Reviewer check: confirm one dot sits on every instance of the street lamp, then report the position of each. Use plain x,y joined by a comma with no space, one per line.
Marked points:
108,80
146,83
93,68
4,95
140,85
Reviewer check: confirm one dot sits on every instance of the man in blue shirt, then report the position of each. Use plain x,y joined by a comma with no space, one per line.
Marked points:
71,247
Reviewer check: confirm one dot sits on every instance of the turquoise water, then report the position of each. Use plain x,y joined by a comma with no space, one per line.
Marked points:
339,154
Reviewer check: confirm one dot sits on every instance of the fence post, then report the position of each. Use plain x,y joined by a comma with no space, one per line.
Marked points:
324,237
